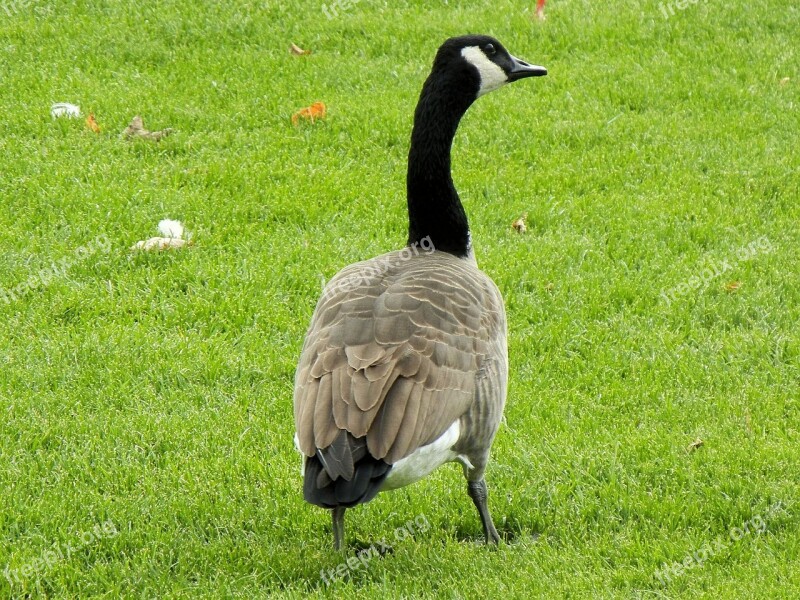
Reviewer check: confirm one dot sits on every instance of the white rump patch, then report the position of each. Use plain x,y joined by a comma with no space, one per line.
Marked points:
425,460
492,76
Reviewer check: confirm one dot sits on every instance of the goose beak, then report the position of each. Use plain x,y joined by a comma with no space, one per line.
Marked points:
520,69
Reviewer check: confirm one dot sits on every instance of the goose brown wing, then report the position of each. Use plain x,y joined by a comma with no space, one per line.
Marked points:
392,352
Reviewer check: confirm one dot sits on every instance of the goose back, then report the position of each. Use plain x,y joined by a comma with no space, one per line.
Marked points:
399,348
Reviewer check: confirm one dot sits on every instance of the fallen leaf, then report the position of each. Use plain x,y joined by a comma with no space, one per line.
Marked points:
732,286
519,224
694,445
540,9
65,109
784,81
136,130
298,51
91,123
159,243
318,110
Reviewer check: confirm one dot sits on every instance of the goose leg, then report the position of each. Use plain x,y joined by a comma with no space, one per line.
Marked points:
479,494
338,526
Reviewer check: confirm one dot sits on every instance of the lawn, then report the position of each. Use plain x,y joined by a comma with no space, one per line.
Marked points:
650,447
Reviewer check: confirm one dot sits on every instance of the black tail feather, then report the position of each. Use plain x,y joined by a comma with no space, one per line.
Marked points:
326,483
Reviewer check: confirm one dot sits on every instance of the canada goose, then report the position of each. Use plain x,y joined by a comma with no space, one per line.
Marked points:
404,365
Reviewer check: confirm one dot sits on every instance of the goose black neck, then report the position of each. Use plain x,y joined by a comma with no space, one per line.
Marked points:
434,208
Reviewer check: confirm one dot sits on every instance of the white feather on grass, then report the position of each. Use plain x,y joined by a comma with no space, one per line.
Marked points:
65,109
171,229
172,237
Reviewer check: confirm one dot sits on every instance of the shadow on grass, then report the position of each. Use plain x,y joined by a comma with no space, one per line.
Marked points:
510,534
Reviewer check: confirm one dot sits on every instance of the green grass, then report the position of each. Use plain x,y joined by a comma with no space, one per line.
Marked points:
152,393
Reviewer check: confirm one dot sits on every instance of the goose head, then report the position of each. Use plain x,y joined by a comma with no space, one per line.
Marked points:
464,69
474,65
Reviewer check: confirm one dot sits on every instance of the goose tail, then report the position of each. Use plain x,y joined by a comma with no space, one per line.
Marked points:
343,474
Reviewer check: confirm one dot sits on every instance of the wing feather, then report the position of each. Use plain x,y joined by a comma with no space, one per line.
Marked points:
384,430
325,430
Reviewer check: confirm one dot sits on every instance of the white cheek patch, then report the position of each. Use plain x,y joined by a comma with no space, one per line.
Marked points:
492,76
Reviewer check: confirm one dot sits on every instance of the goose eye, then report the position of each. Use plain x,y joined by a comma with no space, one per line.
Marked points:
489,50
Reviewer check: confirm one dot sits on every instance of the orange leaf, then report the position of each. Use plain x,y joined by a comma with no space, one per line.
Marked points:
732,286
318,110
92,124
540,9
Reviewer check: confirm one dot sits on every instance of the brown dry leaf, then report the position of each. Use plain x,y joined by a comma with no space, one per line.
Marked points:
159,243
136,130
519,224
318,110
732,286
91,123
298,51
694,445
784,81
